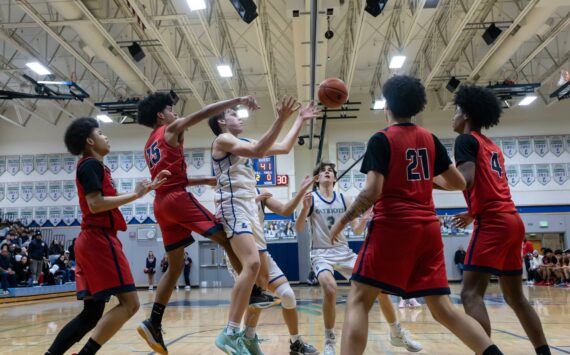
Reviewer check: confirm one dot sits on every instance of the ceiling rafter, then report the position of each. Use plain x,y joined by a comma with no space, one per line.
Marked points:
264,39
355,19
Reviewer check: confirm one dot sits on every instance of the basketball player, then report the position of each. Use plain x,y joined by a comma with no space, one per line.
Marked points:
403,252
276,280
323,207
101,269
177,211
495,248
235,198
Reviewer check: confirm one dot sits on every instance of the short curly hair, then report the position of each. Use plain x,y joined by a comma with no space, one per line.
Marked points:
480,104
405,96
77,133
151,105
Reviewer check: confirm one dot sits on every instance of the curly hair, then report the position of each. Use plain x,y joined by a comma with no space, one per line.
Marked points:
77,133
481,105
405,96
151,105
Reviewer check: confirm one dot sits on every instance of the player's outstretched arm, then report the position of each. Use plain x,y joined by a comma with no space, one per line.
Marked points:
287,208
302,217
452,179
210,181
98,203
306,113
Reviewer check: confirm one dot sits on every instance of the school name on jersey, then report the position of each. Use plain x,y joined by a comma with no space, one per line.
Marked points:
329,210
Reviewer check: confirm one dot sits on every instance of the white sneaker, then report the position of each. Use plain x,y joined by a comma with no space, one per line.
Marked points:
414,303
405,341
402,304
187,288
329,347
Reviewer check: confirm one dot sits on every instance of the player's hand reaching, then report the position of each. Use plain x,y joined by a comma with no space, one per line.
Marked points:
336,231
263,196
286,107
307,183
308,200
309,112
461,220
144,187
250,102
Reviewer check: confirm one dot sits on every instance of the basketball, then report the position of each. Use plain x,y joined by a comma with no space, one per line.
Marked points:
333,93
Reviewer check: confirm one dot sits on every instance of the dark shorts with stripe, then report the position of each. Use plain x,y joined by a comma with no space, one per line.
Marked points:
404,259
495,245
178,214
101,268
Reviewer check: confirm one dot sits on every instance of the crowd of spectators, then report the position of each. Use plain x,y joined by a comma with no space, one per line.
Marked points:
549,268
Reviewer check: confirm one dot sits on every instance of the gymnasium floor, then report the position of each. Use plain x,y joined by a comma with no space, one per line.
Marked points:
194,318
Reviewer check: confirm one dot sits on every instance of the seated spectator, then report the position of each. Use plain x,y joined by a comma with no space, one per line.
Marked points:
63,269
533,274
55,248
23,272
150,269
459,259
38,253
558,269
71,250
7,273
545,269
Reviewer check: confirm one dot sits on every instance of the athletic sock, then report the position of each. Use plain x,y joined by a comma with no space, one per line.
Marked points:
329,334
492,350
543,350
232,328
250,332
157,313
294,338
90,348
395,329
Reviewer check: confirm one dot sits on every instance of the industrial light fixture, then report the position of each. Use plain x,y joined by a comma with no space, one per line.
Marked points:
242,113
196,4
379,104
491,34
527,100
375,7
452,84
136,51
104,118
38,68
397,61
246,9
225,71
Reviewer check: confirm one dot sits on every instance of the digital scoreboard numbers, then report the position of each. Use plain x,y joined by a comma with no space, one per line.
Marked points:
265,172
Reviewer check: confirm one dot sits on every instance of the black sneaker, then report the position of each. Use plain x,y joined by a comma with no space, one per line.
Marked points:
301,348
153,336
261,299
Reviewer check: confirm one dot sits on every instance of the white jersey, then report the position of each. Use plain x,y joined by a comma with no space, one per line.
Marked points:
322,216
235,178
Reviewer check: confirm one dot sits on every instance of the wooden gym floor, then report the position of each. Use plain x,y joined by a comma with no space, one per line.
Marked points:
195,317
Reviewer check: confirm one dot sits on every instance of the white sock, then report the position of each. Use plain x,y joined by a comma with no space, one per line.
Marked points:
395,329
232,328
250,332
329,334
295,337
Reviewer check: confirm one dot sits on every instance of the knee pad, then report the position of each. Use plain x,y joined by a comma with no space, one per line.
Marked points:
287,296
92,312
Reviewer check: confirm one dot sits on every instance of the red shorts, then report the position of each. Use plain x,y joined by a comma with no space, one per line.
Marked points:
495,246
101,268
403,259
178,214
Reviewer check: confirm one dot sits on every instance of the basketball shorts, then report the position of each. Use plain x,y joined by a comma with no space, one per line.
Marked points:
101,269
340,258
495,245
275,272
239,215
404,259
178,214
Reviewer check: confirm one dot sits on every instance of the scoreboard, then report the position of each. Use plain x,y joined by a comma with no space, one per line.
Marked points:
265,172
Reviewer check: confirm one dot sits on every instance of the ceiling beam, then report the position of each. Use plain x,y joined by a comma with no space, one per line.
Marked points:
264,39
355,20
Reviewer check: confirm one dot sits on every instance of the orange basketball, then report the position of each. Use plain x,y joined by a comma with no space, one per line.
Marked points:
333,93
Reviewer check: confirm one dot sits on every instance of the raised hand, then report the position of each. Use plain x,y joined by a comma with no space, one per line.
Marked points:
160,179
307,182
250,102
309,112
461,220
263,196
286,107
308,200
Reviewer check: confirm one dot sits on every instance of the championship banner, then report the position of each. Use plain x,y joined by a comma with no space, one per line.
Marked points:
543,173
127,211
527,174
559,173
197,158
26,215
513,175
346,181
343,152
54,163
11,213
556,144
126,160
13,164
41,163
69,163
40,215
69,190
2,191
141,212
540,146
68,214
2,164
78,214
198,190
112,161
498,141
12,191
359,180
151,212
140,161
509,146
26,191
54,190
126,185
40,190
27,164
448,144
525,146
357,150
54,215
187,157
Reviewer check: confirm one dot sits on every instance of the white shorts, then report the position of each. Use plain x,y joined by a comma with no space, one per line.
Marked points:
275,272
240,216
340,258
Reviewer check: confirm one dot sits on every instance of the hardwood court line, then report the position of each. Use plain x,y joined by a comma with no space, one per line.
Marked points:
525,338
184,336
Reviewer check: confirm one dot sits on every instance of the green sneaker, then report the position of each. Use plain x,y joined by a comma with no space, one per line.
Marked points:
253,345
231,344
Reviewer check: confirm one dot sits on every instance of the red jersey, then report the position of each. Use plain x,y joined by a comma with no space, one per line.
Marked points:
490,192
409,157
160,156
92,175
527,248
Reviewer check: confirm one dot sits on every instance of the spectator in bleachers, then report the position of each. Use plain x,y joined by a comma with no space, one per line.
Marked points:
150,269
63,270
56,248
545,269
459,259
23,272
527,250
187,267
558,269
71,250
38,253
533,274
7,273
